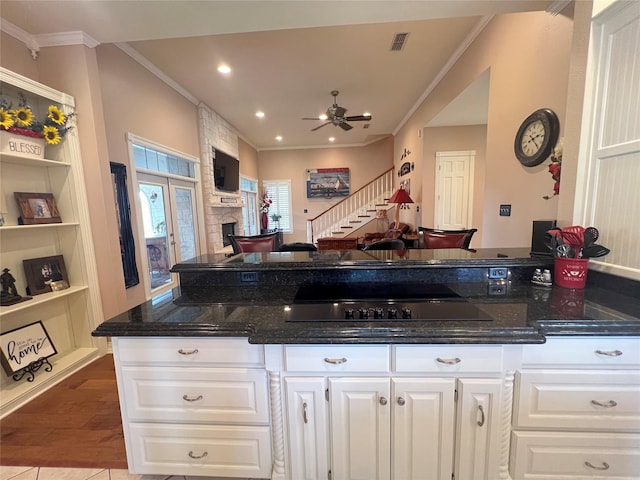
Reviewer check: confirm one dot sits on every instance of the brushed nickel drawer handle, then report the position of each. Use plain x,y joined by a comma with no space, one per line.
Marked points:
605,466
191,399
481,421
335,361
304,412
449,361
198,456
609,353
188,352
609,404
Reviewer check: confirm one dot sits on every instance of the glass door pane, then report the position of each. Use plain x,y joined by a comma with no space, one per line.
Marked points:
185,239
155,214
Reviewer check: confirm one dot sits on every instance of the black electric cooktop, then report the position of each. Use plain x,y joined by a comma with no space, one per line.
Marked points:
361,302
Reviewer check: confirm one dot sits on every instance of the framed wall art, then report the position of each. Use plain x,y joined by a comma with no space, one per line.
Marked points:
45,274
328,183
37,208
24,346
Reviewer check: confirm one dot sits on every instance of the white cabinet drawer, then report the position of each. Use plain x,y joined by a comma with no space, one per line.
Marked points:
336,358
198,395
238,452
574,456
190,351
449,358
599,352
585,400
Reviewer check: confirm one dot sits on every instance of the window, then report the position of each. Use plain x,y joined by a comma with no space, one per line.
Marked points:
249,193
279,191
150,159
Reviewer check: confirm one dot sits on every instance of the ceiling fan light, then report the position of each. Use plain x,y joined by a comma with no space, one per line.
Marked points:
323,117
224,69
260,114
332,139
279,138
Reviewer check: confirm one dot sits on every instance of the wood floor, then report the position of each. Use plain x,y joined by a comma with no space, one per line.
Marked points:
74,424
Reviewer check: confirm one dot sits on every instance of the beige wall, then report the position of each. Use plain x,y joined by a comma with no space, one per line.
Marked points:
248,157
137,102
442,139
15,56
365,164
529,56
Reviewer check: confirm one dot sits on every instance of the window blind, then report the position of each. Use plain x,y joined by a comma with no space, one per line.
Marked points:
279,191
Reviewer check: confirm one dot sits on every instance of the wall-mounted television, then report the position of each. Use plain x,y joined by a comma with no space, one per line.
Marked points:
226,171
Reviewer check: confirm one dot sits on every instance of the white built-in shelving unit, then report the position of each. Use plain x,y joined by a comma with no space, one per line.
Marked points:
69,315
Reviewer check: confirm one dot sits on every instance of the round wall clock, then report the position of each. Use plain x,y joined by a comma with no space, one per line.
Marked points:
536,137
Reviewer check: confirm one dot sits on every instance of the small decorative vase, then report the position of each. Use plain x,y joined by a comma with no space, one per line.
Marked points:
265,220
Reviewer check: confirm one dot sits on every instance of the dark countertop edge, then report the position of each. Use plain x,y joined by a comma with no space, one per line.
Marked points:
327,336
365,264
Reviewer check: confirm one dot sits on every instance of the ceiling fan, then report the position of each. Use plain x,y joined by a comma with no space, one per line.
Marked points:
336,116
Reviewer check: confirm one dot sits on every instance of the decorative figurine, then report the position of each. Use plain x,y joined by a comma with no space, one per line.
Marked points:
9,294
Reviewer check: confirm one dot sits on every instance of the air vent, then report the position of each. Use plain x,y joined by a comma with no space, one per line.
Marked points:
398,41
366,125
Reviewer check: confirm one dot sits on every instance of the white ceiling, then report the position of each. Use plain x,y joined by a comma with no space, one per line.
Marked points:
286,56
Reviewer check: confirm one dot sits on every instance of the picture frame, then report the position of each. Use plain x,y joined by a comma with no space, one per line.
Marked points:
22,346
45,274
328,182
37,208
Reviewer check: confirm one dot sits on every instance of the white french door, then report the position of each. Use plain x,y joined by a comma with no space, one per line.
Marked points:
168,207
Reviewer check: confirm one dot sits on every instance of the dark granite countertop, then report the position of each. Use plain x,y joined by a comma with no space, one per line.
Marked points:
249,295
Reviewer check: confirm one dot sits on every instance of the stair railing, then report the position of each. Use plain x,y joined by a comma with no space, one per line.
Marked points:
354,211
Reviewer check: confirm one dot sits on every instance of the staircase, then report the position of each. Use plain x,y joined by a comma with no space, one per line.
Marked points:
354,211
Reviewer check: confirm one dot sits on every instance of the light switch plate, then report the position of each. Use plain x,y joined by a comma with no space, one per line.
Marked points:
505,210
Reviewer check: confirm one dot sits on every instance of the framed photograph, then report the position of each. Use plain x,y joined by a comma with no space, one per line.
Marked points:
24,345
328,182
36,208
45,274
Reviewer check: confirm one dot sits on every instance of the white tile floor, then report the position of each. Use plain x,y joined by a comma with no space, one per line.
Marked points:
47,473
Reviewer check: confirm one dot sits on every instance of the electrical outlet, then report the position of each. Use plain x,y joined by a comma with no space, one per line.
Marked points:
497,287
498,272
505,210
248,277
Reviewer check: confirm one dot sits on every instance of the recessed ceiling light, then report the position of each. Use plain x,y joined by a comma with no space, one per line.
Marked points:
332,139
323,116
279,138
224,69
260,114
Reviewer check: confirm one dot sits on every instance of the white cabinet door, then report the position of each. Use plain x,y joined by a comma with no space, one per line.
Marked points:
423,428
360,428
307,427
478,429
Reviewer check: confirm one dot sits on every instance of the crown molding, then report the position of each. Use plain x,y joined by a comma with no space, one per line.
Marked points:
557,6
63,39
452,61
20,35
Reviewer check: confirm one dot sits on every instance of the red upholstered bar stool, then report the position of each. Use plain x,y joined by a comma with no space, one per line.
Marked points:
434,238
254,243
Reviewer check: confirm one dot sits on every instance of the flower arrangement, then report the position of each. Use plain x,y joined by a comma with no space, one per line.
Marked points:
265,203
21,121
554,169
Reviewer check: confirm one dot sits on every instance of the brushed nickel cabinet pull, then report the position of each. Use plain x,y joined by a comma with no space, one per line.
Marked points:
204,454
335,361
304,412
481,421
401,401
605,466
449,361
383,401
609,353
609,404
188,352
191,399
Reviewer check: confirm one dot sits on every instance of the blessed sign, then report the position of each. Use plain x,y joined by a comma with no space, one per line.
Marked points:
24,345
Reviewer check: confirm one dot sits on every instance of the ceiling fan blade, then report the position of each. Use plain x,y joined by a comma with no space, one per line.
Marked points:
345,126
358,118
310,118
320,126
